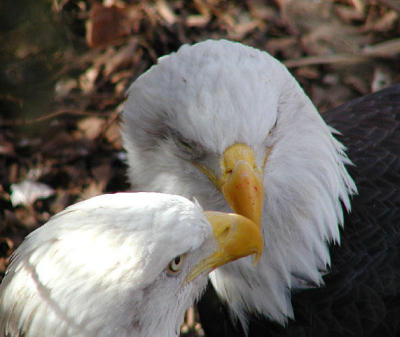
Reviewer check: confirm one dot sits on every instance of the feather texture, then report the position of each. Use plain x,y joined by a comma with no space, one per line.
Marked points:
99,269
218,93
361,296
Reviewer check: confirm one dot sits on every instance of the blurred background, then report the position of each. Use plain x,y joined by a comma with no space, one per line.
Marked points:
65,66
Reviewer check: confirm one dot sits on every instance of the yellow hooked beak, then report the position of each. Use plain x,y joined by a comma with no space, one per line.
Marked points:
242,182
236,236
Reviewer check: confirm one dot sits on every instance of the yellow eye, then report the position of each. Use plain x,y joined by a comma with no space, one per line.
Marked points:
175,266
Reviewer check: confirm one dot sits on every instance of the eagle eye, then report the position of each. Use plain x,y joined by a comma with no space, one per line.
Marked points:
175,266
185,144
187,148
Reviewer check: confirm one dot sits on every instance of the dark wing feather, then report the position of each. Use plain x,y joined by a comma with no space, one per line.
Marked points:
362,292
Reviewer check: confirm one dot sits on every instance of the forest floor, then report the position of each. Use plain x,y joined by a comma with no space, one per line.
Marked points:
65,67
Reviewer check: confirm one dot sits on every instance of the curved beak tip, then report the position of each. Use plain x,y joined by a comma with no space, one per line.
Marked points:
236,236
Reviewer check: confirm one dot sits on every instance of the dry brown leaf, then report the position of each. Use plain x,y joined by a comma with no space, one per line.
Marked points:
197,20
203,7
10,224
113,136
308,72
360,83
347,39
64,86
166,12
91,190
91,127
388,48
102,174
87,80
62,200
122,58
386,22
13,172
325,59
288,46
244,28
261,10
6,249
27,217
106,24
348,14
305,16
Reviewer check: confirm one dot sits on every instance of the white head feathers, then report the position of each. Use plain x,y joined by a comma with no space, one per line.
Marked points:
99,269
185,112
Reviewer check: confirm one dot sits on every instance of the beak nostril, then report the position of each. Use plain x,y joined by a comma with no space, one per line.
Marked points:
226,231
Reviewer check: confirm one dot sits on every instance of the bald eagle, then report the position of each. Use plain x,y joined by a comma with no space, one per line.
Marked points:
126,264
229,125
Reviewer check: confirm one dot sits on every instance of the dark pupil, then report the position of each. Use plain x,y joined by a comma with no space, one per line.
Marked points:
177,260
